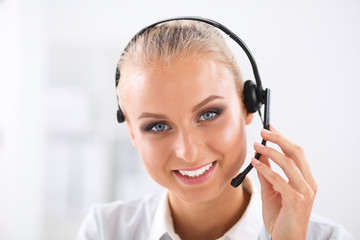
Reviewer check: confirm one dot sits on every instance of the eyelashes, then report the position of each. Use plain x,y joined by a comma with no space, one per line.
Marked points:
162,126
210,115
157,127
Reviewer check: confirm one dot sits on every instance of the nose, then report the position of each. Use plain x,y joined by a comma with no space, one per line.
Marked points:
188,146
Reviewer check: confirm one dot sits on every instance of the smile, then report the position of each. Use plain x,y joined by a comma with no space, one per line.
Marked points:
196,173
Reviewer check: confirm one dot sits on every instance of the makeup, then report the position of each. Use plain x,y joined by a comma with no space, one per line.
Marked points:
198,175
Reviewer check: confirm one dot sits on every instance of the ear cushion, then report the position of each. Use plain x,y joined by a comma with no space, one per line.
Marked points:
117,77
120,116
251,100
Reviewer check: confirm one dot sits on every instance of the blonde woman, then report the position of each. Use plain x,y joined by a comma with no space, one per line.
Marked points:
181,93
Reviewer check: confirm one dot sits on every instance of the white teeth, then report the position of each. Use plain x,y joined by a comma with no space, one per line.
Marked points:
197,172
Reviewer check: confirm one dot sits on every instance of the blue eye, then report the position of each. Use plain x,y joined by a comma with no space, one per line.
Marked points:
159,127
209,115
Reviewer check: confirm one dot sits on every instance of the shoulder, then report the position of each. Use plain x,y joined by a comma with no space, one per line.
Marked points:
322,228
120,219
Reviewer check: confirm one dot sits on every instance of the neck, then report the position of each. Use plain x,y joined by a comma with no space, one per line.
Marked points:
211,219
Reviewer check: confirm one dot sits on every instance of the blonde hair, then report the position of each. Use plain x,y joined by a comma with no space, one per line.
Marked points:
181,38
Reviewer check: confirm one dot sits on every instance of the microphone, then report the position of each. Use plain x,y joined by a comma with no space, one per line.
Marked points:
235,182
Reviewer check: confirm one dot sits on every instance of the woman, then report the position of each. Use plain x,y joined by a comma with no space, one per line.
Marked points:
181,94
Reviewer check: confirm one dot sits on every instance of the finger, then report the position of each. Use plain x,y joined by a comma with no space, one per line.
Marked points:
288,147
274,179
265,160
266,187
273,129
290,169
291,150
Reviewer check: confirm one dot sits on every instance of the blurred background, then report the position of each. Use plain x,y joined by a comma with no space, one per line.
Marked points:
61,149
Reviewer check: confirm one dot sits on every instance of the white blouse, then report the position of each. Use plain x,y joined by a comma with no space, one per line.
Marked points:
149,218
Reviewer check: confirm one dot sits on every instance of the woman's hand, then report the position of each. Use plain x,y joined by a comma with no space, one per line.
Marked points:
286,205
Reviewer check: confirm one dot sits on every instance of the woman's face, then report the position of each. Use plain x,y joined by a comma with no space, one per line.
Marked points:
188,123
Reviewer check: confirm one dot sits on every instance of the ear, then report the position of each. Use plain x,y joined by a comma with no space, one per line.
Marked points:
132,136
248,117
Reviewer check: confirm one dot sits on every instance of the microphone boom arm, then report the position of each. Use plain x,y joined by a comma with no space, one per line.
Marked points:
235,182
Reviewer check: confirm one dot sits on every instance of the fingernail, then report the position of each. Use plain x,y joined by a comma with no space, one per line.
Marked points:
265,132
273,128
255,161
258,145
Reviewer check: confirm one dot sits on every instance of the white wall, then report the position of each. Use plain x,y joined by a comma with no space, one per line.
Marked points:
61,149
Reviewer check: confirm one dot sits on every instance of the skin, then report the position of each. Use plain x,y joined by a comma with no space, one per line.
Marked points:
167,124
286,205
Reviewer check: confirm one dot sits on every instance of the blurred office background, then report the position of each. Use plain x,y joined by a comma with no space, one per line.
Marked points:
61,149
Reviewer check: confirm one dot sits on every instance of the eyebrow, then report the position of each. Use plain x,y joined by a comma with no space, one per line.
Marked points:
197,107
205,101
151,115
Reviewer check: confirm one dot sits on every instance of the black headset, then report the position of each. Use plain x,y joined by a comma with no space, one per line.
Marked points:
254,94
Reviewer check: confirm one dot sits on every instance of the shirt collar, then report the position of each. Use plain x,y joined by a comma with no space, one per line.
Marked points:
162,227
248,227
250,224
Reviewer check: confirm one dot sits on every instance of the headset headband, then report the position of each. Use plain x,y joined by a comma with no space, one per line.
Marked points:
218,26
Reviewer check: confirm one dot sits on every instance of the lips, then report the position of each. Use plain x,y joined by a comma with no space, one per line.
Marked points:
195,175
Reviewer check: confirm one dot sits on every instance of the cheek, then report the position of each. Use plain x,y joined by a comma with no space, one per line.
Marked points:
229,139
154,155
231,131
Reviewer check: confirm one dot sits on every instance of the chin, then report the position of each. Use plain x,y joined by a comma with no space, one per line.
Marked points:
199,196
201,193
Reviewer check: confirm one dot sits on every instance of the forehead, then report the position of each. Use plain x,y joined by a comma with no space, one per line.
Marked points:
187,81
